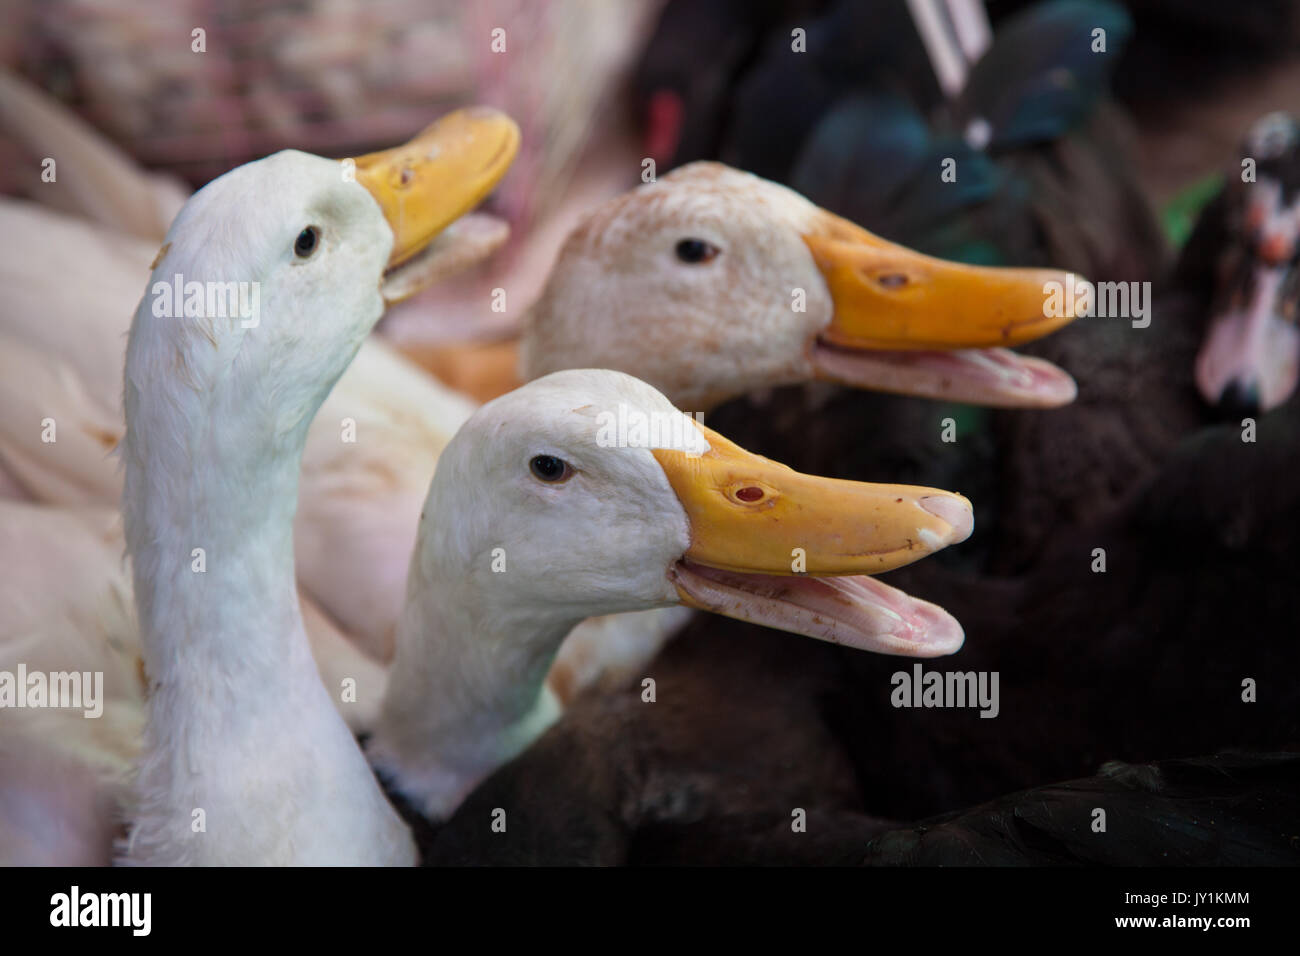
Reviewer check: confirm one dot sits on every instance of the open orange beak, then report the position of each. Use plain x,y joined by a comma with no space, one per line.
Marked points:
425,185
792,551
909,323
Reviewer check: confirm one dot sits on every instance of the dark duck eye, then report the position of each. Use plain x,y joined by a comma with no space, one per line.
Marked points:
306,242
696,251
548,468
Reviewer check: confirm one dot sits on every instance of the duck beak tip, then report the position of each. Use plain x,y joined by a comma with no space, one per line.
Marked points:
426,184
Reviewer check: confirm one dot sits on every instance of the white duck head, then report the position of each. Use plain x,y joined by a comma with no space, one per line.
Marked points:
713,282
302,255
587,493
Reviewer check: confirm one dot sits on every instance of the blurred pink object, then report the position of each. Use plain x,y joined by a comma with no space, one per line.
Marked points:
339,78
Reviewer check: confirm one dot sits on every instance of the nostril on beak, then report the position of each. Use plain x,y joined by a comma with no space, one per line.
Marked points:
1239,400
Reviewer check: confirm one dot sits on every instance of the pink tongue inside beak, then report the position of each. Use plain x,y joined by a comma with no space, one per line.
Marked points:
858,611
999,378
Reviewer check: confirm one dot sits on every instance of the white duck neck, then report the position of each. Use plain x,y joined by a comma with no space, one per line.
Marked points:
220,607
246,760
467,690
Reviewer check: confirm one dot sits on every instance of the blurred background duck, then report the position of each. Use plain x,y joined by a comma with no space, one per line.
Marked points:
1040,170
1221,345
1247,243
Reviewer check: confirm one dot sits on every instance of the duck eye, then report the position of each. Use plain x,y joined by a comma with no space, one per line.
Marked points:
306,242
549,468
696,251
